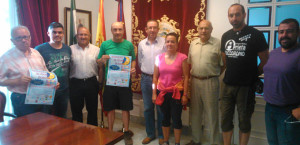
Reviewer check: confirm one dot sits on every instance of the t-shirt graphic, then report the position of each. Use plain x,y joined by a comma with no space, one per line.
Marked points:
235,49
58,63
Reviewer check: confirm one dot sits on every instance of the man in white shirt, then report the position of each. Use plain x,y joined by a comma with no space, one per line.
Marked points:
148,49
84,86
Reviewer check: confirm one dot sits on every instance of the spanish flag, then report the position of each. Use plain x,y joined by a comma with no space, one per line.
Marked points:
100,37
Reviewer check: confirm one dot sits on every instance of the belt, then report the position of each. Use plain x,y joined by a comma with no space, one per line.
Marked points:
150,75
284,106
203,78
84,79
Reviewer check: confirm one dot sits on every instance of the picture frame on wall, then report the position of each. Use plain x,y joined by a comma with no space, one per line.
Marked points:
83,18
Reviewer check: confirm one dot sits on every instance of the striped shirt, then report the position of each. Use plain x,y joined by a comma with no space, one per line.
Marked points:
14,64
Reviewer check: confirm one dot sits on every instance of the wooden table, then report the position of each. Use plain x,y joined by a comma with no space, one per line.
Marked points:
44,129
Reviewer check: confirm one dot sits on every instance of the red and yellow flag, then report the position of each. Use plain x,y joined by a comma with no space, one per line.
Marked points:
100,36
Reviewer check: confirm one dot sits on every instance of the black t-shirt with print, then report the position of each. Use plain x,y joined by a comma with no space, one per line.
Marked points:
241,49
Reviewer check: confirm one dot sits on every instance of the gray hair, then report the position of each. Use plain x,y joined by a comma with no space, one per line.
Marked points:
14,29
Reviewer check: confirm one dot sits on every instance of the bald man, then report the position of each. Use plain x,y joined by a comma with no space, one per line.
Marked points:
117,97
84,85
206,66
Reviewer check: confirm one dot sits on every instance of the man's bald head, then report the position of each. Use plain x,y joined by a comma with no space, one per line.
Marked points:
117,29
205,28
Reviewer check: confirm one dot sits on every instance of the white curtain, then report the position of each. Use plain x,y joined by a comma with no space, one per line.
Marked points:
8,20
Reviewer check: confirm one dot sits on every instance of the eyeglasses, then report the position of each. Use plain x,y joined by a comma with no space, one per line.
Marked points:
291,120
20,38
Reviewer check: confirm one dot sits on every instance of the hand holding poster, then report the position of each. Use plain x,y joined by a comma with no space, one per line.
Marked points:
41,89
118,73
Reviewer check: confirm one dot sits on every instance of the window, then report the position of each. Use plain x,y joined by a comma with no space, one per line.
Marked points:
266,15
8,19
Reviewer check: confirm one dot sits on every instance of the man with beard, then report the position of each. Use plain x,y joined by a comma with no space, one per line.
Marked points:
282,87
84,86
240,47
57,58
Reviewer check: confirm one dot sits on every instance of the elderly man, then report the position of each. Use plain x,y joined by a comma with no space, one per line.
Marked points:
57,58
240,47
117,97
14,73
206,66
148,49
282,87
84,86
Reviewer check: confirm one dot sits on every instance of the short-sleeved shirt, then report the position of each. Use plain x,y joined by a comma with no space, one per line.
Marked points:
241,49
14,64
83,64
58,62
170,74
124,48
147,53
282,77
205,58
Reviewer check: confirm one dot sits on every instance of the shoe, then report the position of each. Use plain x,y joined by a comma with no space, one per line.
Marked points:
127,138
147,140
160,141
193,143
166,143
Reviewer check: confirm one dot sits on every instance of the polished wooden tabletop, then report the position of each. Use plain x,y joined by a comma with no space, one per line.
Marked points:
44,129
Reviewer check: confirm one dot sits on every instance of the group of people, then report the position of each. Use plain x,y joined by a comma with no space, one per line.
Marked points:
166,77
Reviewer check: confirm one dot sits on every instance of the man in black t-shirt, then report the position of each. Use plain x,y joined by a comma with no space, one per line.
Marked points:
240,47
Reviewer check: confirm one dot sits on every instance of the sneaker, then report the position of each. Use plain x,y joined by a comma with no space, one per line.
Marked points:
166,143
193,143
127,138
147,140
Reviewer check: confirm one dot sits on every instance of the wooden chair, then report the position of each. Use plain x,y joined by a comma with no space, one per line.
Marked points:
2,107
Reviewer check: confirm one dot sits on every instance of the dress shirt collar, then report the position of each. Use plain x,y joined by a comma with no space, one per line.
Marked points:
148,42
210,40
88,46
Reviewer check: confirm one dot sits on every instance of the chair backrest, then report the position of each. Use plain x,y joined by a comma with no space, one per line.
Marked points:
2,105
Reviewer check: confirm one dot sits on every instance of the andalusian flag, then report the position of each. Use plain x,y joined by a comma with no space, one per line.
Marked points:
73,28
120,17
100,37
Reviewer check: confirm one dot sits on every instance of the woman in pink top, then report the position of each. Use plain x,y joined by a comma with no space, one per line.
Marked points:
170,86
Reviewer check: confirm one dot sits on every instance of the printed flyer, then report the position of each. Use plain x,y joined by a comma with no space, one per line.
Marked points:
41,89
118,70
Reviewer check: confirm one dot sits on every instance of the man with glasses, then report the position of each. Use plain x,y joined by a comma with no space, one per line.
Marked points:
282,87
14,73
57,58
84,86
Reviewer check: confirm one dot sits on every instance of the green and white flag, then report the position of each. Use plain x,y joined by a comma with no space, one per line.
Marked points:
73,31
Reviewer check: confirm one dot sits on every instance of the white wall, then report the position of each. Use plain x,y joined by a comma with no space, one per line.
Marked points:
88,5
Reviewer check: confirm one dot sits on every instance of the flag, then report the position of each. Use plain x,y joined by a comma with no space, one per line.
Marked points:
73,31
120,17
100,37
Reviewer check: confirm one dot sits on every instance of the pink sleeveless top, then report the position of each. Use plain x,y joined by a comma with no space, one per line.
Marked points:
170,75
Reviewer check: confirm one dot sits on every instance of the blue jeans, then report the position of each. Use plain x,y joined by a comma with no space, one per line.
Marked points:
21,109
146,86
60,104
279,132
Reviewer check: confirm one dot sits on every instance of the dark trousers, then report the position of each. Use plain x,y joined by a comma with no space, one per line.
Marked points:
171,108
60,104
84,90
21,109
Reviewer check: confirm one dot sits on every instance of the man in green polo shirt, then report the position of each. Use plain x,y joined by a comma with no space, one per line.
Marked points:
117,97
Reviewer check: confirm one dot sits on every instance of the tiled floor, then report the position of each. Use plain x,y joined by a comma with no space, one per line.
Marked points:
139,133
